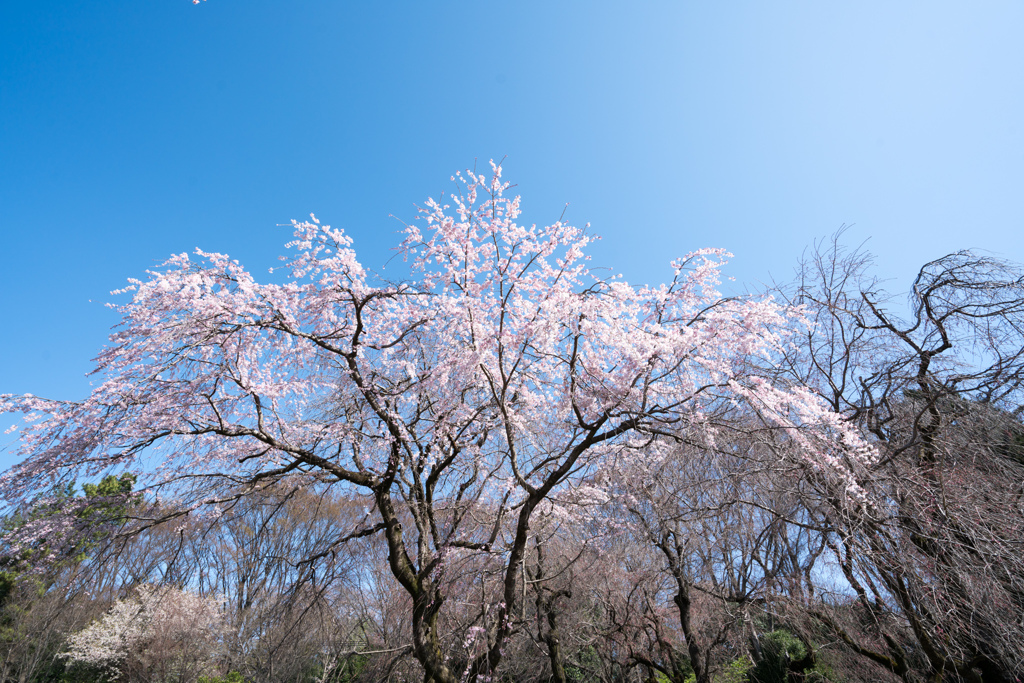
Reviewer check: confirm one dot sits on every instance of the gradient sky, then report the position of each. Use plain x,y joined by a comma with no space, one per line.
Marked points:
131,130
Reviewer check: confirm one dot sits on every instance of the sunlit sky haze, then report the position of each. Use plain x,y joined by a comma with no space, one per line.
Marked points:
133,130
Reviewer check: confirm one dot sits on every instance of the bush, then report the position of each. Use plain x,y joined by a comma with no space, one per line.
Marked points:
779,649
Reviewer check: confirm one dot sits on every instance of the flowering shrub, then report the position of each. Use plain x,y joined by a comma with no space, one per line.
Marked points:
162,634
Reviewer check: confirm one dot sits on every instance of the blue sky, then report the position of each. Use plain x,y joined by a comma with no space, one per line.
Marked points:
131,130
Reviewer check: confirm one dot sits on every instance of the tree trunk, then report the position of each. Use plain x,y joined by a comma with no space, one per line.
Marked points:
682,600
426,597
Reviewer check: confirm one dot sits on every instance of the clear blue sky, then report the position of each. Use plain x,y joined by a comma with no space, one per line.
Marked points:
133,129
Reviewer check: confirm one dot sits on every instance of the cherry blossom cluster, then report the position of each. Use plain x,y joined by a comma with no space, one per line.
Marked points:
139,626
503,353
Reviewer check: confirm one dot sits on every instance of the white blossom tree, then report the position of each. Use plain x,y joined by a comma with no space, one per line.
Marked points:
163,634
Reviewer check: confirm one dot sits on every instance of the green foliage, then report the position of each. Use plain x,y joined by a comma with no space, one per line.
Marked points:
352,667
111,500
347,670
231,677
821,673
735,671
110,486
7,582
778,650
62,671
783,653
586,660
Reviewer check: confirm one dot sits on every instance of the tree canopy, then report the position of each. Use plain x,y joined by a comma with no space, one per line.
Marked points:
505,416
